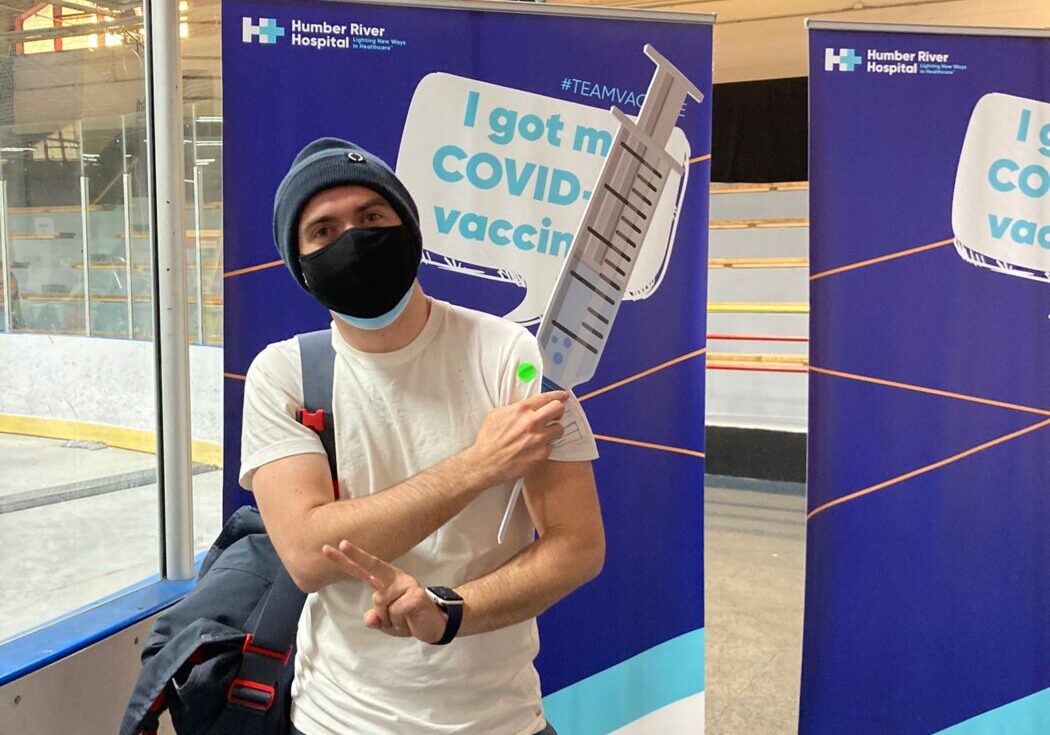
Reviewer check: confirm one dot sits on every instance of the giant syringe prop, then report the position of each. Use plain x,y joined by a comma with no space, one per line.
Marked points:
587,295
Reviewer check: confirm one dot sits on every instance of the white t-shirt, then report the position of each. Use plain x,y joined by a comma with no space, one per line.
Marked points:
396,414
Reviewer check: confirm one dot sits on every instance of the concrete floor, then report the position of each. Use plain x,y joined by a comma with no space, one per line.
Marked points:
754,544
35,464
59,556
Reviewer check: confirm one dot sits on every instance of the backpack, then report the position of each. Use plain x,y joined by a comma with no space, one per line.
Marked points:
221,660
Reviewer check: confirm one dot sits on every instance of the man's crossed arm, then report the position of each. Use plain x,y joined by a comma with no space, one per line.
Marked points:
294,498
570,551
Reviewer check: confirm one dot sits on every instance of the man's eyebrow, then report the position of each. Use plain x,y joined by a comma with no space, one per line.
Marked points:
317,220
376,201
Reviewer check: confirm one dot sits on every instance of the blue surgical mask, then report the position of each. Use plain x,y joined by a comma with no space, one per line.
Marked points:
381,321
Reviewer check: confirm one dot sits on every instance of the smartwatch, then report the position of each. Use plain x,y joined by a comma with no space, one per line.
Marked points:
452,605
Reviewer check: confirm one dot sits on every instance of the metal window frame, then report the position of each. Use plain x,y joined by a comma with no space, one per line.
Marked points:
167,204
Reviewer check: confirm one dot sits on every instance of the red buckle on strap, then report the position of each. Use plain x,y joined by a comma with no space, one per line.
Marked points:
261,701
312,419
249,648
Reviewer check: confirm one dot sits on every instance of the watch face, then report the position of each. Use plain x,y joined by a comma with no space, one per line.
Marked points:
445,594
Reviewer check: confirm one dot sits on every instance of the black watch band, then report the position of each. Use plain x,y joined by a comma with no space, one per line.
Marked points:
452,604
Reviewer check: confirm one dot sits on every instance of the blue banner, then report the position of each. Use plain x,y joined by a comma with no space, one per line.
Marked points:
496,117
928,553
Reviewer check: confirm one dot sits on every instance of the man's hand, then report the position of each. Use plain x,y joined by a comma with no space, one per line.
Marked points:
402,607
515,439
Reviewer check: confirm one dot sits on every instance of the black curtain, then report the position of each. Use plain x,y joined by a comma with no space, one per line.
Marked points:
759,132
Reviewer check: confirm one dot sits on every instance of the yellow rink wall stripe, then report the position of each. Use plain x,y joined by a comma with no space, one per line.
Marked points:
757,307
120,437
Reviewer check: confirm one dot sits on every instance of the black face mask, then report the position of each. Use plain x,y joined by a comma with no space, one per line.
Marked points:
365,271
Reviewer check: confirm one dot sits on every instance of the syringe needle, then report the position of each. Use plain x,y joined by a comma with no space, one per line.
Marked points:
507,514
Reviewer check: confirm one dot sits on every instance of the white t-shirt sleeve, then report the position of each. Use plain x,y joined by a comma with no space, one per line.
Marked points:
273,393
525,349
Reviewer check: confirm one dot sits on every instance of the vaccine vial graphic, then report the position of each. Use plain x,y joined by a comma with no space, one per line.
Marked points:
1001,204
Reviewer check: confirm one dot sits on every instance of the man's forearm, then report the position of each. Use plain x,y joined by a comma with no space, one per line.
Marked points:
512,441
541,575
390,523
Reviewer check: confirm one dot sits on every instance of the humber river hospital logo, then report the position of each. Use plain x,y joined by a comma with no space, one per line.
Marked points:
845,60
266,30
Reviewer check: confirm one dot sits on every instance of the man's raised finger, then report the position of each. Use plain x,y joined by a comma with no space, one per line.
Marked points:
348,565
378,568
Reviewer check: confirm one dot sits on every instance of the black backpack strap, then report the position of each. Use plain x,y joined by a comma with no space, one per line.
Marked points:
318,367
269,649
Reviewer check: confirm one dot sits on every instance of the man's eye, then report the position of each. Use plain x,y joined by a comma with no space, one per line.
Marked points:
374,217
321,232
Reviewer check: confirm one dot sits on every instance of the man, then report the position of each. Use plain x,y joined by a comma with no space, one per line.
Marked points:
433,428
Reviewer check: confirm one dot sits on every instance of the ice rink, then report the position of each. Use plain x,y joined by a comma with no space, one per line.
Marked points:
80,522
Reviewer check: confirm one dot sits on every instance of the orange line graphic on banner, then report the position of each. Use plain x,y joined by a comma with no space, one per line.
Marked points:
882,259
644,373
234,376
932,391
698,159
927,468
252,269
648,445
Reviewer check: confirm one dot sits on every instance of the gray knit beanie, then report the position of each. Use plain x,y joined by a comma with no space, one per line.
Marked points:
325,163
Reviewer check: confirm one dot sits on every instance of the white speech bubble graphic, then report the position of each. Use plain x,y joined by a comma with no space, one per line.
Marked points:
501,178
1001,204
